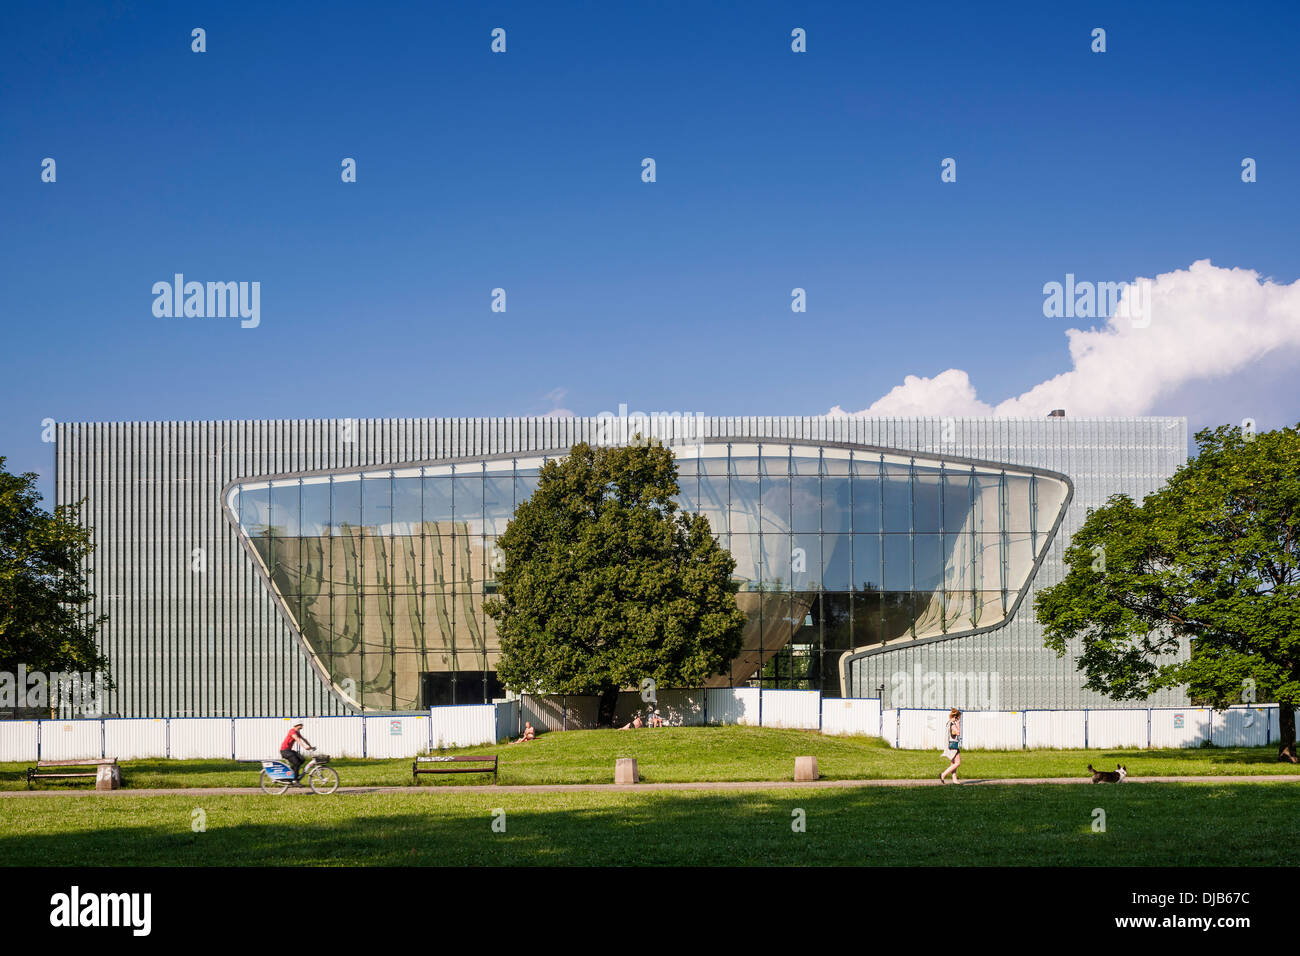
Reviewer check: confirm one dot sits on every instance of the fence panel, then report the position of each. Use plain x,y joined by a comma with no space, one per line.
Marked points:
1180,727
851,716
135,738
889,720
259,738
18,740
463,726
732,705
1122,729
388,738
1234,727
201,738
993,730
678,708
71,739
507,719
1054,729
798,709
544,713
922,729
336,736
581,712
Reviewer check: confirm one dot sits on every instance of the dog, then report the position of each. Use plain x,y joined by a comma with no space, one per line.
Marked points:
1108,776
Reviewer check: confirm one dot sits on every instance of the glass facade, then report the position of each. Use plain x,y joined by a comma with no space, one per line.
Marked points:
384,571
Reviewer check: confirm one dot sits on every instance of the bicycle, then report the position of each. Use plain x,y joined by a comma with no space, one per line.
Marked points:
277,776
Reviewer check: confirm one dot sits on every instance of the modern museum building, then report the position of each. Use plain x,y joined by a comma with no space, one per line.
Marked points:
322,567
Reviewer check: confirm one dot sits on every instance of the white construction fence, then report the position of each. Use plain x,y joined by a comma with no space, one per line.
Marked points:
407,735
1128,729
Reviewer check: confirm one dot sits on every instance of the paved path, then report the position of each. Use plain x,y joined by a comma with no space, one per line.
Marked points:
652,787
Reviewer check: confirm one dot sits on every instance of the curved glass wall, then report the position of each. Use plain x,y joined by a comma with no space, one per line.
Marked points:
384,571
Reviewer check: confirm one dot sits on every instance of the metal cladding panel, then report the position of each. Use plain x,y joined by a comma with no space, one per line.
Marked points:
201,738
259,738
1054,729
192,631
1180,727
507,718
678,708
1002,730
848,715
797,709
135,739
18,740
71,739
922,729
463,726
732,705
1236,727
396,736
1122,729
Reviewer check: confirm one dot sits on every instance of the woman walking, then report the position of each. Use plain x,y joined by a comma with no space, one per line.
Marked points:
953,746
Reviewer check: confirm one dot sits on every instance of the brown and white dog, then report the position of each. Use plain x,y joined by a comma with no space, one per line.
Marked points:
1108,776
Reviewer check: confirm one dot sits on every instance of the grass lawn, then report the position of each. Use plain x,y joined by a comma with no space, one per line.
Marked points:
1046,825
705,753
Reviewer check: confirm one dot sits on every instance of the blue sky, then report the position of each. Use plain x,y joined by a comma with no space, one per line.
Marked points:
522,171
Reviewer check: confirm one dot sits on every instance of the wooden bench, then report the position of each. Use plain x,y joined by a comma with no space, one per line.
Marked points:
489,762
63,769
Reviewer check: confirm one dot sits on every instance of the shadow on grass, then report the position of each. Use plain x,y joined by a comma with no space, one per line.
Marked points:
1046,825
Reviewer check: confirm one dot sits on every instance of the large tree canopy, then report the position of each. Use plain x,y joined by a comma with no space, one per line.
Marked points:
43,591
606,583
1212,557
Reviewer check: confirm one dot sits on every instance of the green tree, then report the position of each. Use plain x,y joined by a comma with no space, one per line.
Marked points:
1211,563
606,583
44,624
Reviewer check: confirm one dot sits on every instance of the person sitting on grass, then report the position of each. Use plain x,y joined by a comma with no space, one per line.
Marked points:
635,722
655,719
528,734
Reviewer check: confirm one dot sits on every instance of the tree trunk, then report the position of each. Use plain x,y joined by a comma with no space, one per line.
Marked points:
1286,723
608,702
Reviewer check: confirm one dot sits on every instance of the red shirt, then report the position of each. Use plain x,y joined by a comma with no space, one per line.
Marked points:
289,741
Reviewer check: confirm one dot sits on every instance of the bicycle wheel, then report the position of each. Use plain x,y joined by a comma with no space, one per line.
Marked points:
324,780
272,785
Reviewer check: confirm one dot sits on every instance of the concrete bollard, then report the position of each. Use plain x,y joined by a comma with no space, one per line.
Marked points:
108,777
625,770
805,769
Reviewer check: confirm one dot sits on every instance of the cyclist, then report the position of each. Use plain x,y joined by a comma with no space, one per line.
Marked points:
288,751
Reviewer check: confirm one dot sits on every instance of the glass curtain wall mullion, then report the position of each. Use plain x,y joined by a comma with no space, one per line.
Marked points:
911,538
392,587
361,590
976,526
884,574
482,613
853,571
453,581
1004,543
943,553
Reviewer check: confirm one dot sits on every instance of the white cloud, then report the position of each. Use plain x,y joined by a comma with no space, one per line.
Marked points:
1206,331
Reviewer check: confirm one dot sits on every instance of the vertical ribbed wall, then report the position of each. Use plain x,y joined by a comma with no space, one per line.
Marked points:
183,642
